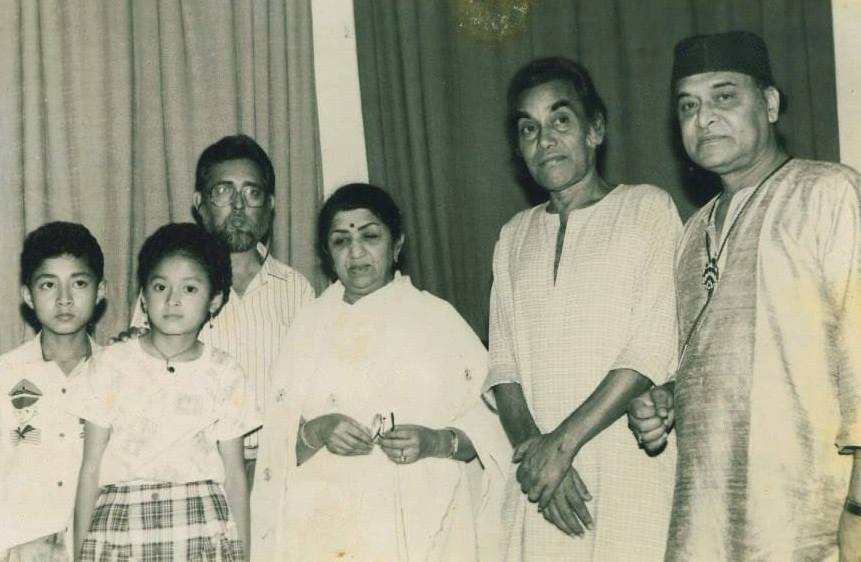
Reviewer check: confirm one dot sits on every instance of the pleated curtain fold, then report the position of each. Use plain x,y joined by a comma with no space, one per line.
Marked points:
106,105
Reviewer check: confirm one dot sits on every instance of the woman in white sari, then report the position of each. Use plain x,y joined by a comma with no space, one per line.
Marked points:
376,444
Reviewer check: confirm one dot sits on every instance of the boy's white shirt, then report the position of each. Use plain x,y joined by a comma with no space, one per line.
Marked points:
38,475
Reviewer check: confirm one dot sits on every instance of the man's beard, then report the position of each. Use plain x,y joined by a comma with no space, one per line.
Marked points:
240,233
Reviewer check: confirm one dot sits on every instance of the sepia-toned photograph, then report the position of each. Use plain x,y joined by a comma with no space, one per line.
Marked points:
430,281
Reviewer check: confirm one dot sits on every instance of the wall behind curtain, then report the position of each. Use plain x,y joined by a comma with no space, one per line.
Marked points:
105,107
434,75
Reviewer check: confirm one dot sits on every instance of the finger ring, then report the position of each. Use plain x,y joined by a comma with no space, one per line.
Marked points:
403,457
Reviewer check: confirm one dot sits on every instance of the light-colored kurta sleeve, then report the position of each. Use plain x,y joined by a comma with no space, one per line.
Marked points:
839,233
502,365
652,335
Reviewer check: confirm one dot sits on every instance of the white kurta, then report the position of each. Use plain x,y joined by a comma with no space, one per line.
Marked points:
610,307
396,351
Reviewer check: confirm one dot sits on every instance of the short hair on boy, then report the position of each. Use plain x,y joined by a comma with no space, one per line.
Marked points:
191,241
234,147
59,238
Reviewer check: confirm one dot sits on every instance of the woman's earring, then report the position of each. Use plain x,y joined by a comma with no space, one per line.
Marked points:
210,319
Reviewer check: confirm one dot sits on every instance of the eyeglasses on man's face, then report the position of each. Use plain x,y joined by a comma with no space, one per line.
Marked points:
221,195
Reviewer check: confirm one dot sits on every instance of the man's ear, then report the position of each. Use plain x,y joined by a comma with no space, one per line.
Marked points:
772,103
398,246
597,130
196,200
101,291
27,296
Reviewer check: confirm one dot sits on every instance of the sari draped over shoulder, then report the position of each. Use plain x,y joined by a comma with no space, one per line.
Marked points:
396,351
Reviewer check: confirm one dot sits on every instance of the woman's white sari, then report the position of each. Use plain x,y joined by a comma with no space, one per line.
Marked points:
396,351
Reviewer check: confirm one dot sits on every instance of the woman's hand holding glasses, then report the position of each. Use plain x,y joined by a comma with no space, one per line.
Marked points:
403,444
406,444
342,435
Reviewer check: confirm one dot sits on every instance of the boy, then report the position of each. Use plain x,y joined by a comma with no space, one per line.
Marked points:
40,444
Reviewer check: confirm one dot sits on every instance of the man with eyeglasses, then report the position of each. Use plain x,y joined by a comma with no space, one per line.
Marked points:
234,199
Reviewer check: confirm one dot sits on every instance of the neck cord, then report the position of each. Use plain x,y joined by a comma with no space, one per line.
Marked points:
711,266
711,273
168,358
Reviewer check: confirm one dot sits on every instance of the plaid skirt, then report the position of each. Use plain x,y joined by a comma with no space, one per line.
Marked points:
162,522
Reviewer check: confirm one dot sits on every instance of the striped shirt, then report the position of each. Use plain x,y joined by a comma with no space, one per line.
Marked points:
251,326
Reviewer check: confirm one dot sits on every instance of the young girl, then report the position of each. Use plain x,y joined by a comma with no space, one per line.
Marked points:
159,411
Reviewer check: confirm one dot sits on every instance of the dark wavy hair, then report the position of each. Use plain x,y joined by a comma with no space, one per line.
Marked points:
60,238
356,196
234,147
191,241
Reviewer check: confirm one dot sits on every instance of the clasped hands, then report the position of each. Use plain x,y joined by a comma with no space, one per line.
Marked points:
546,476
402,444
651,417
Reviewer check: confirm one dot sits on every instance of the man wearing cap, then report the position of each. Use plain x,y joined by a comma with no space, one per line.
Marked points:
766,399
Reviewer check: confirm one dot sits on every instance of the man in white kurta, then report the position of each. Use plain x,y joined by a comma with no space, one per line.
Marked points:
582,296
768,389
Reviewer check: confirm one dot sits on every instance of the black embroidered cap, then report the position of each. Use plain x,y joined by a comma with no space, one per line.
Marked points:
733,51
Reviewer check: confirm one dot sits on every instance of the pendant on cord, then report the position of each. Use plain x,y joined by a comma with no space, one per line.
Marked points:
711,275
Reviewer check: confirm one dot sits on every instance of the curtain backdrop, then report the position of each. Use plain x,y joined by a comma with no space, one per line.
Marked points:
433,78
106,105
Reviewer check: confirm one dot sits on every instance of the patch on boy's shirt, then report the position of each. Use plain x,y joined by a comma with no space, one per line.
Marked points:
28,435
25,397
24,391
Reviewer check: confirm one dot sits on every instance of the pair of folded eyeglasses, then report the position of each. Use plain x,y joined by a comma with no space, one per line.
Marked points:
382,424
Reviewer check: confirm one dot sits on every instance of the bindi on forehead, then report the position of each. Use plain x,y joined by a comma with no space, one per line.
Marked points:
353,227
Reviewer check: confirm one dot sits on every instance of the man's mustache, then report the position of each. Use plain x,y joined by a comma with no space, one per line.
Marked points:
236,220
